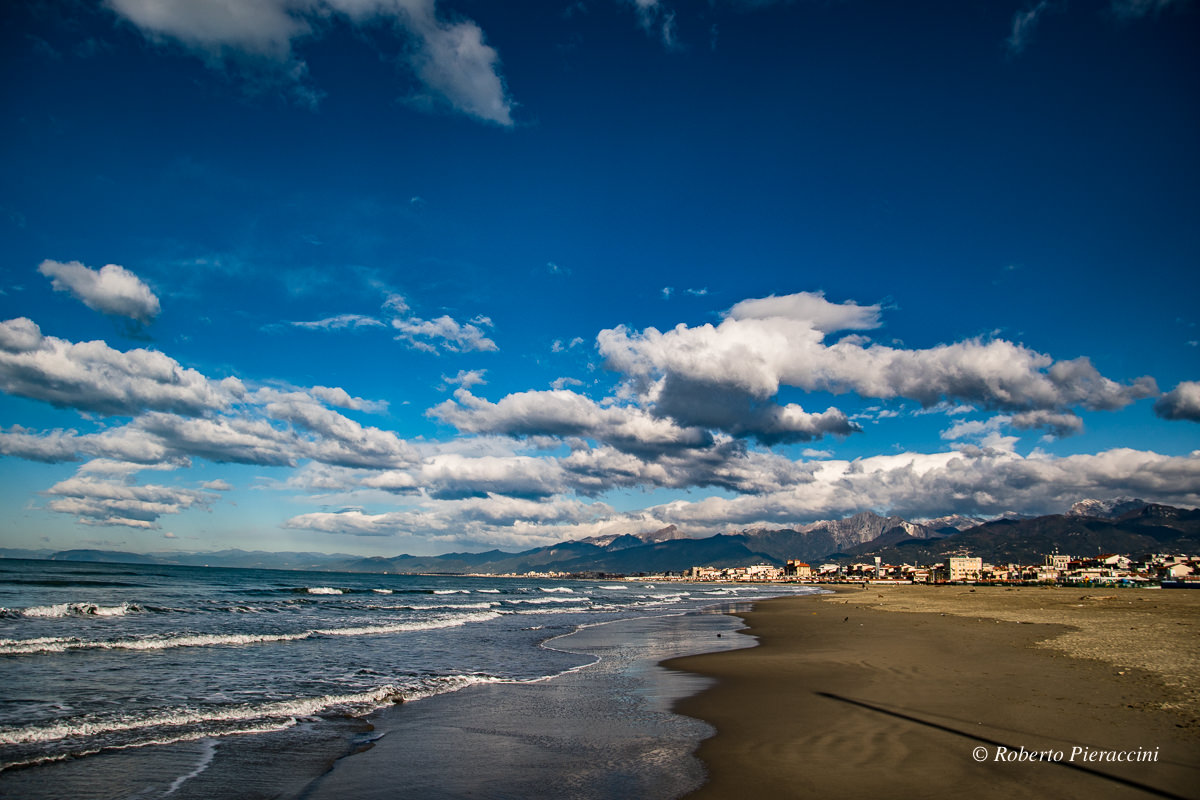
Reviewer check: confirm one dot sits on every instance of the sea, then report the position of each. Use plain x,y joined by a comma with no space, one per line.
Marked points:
124,680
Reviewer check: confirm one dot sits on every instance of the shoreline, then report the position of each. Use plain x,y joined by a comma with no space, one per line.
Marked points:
602,731
892,689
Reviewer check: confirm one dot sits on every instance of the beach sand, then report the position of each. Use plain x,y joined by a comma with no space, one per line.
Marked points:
604,732
898,690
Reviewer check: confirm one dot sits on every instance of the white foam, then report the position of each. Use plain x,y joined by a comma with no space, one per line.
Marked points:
545,600
324,590
76,610
284,710
264,716
382,591
206,758
52,644
558,589
488,591
402,627
451,591
611,588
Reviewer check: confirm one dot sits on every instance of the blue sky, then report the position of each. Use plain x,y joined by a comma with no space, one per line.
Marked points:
383,276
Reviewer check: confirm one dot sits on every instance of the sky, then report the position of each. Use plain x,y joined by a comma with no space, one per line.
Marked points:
429,276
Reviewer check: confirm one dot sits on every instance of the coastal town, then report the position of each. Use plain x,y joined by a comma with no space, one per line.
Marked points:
1155,570
1109,569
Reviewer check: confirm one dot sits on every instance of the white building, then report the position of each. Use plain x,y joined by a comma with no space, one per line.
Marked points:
964,569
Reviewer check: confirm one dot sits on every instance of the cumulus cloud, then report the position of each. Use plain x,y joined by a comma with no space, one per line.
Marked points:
339,440
49,446
103,501
974,481
112,289
1058,425
451,60
337,396
91,376
493,520
693,374
563,413
1182,402
812,309
443,332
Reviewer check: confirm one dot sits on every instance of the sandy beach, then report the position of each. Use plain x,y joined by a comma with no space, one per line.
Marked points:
920,691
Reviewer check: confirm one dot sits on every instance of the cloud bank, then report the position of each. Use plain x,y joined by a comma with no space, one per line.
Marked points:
704,408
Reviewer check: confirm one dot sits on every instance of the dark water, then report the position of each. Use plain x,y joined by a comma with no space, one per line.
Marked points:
108,666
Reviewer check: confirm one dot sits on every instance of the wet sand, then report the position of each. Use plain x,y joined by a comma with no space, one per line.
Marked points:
899,690
604,732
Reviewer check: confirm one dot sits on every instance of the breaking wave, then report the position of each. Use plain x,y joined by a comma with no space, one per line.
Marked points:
57,644
73,610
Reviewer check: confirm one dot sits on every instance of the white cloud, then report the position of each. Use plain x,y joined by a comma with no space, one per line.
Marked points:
451,59
455,63
765,344
110,290
340,322
443,332
337,396
811,309
563,413
976,481
101,501
49,446
1182,402
91,376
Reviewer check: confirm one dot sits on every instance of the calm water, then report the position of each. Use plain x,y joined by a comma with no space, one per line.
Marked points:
98,658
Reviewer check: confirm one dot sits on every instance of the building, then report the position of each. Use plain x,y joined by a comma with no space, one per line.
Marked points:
1058,562
959,568
797,569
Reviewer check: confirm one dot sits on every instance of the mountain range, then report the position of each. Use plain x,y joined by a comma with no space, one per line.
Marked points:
1090,527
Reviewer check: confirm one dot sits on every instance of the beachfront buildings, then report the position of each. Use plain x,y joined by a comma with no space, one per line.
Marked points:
964,569
797,569
1109,569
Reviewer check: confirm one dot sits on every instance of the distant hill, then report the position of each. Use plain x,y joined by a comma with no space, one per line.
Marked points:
1146,529
1089,528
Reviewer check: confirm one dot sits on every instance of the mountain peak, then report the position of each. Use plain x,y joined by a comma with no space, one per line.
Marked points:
1106,509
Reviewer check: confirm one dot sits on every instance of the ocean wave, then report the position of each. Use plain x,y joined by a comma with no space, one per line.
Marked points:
73,610
268,716
484,604
382,591
488,591
557,610
557,589
451,591
545,600
613,588
90,726
53,644
403,627
324,590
